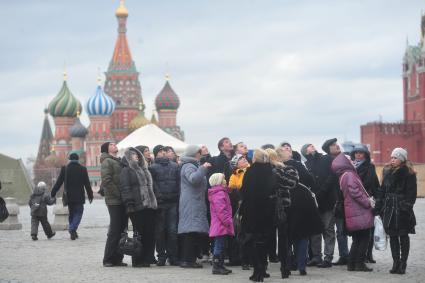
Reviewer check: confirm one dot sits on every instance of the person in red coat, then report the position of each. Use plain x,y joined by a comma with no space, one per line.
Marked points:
358,211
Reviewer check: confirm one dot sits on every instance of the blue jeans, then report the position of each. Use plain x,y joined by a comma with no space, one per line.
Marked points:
341,238
219,245
75,214
166,219
301,248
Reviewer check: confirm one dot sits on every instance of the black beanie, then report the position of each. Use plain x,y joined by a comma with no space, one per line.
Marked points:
104,148
157,149
73,156
327,144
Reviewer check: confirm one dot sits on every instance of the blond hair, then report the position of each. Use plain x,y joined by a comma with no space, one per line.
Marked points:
260,156
274,158
284,155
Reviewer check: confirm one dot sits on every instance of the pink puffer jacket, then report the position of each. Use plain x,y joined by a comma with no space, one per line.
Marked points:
358,212
221,212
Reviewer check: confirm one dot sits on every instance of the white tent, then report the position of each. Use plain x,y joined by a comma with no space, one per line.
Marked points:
151,135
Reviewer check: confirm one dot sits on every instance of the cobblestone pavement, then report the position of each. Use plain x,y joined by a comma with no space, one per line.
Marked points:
63,260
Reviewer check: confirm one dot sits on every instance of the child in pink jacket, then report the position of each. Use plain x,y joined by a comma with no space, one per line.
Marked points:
221,220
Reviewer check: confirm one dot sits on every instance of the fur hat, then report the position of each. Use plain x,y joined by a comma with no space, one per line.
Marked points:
304,149
157,149
400,154
327,144
217,179
191,150
104,148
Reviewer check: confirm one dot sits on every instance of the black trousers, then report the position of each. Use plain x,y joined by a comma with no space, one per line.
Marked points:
118,222
144,224
272,243
283,247
258,251
166,231
191,246
400,247
369,253
359,246
35,220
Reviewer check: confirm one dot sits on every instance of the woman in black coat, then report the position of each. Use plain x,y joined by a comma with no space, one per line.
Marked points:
395,204
140,202
257,210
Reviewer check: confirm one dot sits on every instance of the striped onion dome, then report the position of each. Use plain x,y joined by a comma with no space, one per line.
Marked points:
167,98
100,103
64,104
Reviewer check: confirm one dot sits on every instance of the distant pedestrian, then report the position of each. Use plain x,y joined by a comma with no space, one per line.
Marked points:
221,220
38,202
395,202
75,179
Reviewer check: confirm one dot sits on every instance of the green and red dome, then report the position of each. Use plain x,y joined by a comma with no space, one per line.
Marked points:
167,98
64,104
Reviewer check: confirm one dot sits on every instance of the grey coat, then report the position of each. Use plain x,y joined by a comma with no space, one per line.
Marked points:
38,202
192,205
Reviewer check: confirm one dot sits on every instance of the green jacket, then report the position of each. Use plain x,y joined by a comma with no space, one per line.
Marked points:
110,173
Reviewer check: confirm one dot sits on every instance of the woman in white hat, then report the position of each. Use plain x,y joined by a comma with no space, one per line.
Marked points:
395,204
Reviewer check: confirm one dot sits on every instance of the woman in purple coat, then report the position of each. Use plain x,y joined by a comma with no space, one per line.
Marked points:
221,220
358,211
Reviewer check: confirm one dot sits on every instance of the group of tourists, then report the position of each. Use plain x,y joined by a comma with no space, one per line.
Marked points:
271,205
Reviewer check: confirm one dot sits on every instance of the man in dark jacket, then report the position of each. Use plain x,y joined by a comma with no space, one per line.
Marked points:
166,185
75,179
220,163
326,186
367,173
110,171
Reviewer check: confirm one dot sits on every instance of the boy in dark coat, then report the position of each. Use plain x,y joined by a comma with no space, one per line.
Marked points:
38,204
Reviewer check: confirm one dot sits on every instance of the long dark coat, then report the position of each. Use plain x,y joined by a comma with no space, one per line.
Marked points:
75,180
396,199
257,208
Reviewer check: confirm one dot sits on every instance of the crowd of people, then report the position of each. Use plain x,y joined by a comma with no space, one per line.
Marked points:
274,205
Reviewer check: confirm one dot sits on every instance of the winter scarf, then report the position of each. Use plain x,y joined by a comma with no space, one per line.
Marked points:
357,163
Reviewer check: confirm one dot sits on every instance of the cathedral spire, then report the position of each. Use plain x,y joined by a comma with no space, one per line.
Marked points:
45,141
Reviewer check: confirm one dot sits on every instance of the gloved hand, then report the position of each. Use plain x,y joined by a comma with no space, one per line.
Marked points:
372,202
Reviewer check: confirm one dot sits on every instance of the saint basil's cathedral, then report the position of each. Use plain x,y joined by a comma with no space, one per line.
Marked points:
114,111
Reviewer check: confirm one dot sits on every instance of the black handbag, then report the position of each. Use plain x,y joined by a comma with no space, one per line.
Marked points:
4,213
64,194
130,246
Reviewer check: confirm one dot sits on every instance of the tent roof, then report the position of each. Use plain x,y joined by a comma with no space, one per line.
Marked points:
151,135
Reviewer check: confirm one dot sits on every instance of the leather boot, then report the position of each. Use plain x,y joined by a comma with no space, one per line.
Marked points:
222,265
405,248
217,268
396,264
402,267
395,252
362,267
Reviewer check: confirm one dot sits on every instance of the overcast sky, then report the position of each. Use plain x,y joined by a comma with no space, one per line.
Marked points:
257,71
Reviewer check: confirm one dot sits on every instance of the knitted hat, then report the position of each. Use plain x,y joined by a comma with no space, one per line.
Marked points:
217,179
73,156
400,154
304,149
157,149
104,148
234,161
191,150
41,185
327,144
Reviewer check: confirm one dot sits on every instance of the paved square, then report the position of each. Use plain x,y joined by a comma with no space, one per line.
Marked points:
63,260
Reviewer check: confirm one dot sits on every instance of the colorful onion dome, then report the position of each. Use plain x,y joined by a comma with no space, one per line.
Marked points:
64,104
100,103
167,98
78,130
121,10
140,120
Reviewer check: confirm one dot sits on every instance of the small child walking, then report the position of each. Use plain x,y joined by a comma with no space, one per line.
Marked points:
221,220
38,204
